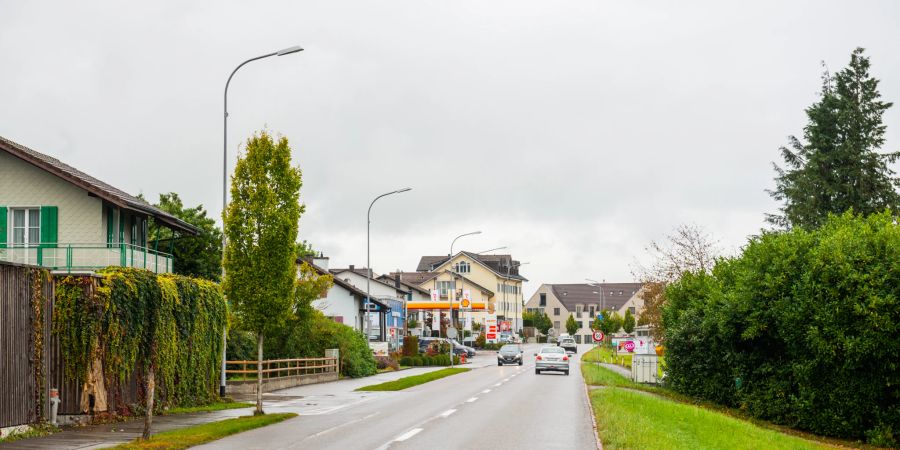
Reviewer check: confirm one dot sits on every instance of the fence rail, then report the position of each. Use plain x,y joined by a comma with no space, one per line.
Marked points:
282,368
61,257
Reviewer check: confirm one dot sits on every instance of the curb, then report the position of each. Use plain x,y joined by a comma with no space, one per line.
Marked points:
587,398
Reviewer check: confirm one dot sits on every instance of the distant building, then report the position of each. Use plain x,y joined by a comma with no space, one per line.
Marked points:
55,216
583,301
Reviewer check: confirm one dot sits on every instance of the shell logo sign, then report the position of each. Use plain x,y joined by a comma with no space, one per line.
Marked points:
466,303
491,308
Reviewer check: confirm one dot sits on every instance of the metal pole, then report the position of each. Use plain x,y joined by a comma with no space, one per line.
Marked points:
286,51
366,325
454,240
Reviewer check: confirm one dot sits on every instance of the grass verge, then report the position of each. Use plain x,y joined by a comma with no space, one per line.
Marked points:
415,380
629,419
200,434
219,406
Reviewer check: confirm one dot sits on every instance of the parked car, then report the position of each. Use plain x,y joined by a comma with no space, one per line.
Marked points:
568,344
470,351
510,354
551,358
458,349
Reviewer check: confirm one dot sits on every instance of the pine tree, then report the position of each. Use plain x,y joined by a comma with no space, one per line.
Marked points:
839,167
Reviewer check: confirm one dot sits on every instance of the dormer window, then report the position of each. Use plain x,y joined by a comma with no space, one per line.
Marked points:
462,267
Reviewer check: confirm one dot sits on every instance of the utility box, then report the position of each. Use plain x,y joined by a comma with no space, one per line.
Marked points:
645,368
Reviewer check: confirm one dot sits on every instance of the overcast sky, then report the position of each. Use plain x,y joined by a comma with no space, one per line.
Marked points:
571,132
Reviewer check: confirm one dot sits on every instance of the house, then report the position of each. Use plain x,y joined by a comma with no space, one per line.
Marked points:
496,273
344,302
449,287
583,301
55,216
392,324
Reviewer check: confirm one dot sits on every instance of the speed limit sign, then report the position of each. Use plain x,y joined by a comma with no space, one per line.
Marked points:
598,336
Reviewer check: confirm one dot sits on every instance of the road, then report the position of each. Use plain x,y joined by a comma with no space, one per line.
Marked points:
490,407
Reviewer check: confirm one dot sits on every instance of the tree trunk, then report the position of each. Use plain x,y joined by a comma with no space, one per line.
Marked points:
259,374
151,388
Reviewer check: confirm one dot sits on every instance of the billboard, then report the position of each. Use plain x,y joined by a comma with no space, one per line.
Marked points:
490,329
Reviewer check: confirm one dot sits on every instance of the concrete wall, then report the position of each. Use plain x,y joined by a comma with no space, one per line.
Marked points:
249,386
80,216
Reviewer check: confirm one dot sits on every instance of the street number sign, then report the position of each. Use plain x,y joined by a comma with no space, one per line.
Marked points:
598,336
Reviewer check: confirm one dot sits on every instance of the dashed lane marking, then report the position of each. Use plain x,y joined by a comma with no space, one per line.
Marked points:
408,435
447,413
471,399
485,391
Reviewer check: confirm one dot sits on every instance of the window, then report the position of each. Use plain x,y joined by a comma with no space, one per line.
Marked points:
556,325
631,308
592,310
555,311
462,267
446,286
543,300
577,311
620,292
26,227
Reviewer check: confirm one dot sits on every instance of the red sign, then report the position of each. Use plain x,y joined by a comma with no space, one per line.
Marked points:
505,325
598,336
629,346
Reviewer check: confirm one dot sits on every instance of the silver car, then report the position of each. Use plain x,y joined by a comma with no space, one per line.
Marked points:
551,358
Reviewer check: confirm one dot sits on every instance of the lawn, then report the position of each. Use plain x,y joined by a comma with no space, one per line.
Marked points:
219,406
415,380
608,355
199,434
627,419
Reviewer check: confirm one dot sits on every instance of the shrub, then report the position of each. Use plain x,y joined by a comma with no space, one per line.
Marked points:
384,362
800,329
410,345
479,341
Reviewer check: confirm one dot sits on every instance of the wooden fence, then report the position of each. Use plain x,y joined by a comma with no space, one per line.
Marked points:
281,368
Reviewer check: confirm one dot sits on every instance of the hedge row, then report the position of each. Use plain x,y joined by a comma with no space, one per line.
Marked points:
425,360
801,329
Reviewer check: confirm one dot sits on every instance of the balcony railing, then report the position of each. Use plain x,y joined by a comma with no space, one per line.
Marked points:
88,257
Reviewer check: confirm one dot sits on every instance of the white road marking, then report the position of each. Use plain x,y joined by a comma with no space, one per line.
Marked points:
341,425
408,435
498,384
447,413
471,399
485,391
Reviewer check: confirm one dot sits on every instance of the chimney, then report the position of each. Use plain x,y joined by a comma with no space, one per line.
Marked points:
397,279
351,267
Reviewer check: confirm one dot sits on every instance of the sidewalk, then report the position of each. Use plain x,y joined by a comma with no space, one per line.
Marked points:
311,399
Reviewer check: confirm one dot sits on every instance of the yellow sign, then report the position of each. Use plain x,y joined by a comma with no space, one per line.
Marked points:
491,308
466,303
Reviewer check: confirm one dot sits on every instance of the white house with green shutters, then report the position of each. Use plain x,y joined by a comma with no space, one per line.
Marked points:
55,216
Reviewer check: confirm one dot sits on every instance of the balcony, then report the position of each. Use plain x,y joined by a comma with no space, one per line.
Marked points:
80,258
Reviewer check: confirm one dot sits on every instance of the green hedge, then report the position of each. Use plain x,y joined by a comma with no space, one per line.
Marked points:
425,360
801,329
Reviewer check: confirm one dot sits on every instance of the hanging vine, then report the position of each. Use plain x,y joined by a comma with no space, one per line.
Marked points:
38,277
141,320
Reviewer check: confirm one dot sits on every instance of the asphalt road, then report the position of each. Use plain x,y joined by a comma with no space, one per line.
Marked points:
490,407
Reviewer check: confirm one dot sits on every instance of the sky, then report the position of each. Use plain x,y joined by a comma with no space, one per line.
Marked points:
573,133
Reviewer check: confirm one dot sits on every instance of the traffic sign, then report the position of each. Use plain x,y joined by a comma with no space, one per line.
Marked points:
598,336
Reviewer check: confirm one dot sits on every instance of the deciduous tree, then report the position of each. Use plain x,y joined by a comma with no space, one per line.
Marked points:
261,225
571,325
628,322
195,256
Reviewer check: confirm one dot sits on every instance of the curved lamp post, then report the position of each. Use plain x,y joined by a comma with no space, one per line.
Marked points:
368,252
282,52
454,240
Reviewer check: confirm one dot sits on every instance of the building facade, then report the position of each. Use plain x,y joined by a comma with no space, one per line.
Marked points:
584,302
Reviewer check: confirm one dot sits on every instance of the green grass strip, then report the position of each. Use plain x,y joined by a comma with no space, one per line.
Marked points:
200,434
208,408
415,380
628,419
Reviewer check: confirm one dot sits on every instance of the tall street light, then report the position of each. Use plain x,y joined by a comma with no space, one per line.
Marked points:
491,250
462,235
282,52
368,264
599,286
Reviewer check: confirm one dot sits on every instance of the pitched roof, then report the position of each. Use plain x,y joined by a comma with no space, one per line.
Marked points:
390,279
362,271
614,294
356,292
422,277
499,264
94,186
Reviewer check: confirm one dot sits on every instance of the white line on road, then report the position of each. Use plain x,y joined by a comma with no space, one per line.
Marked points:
498,384
471,399
408,434
506,379
485,391
447,413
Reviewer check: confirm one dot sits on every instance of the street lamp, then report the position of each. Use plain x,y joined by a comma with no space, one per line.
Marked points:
454,240
368,264
599,285
282,52
491,250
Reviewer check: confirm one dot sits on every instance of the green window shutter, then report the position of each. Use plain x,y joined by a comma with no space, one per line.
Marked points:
3,223
109,226
49,226
121,227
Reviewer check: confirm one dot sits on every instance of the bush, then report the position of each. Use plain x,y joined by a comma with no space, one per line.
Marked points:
410,345
479,341
384,362
799,330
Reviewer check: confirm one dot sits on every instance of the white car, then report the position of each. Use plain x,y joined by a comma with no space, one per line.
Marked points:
551,358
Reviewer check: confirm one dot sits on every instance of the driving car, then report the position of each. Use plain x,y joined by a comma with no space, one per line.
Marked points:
551,358
510,354
568,344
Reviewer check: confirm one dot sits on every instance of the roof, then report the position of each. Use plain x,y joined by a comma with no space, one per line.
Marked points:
582,293
362,271
498,264
94,186
356,292
390,279
414,277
